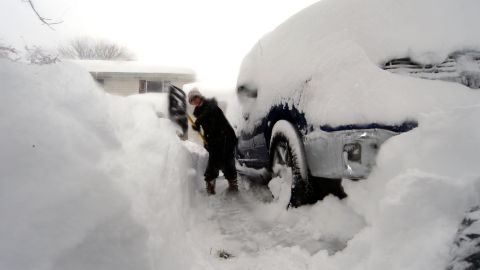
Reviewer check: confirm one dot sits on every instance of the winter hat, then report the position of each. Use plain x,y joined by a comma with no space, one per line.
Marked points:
193,94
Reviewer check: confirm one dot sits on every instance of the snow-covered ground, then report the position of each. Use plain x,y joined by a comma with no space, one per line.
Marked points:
92,181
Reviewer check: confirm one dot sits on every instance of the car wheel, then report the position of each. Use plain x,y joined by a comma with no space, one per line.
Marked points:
287,155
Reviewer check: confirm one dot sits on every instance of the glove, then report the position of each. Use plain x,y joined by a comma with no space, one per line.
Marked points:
195,127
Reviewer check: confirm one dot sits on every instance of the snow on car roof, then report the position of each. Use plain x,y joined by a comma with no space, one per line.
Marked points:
426,30
326,59
107,66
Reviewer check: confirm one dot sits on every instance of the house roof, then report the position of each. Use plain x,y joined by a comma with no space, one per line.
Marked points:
133,68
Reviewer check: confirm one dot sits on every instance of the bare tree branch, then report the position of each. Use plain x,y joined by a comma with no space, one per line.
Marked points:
46,21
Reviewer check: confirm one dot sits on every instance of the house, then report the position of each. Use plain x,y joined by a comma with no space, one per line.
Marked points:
132,77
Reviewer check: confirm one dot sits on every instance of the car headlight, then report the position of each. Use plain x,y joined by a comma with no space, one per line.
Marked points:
354,151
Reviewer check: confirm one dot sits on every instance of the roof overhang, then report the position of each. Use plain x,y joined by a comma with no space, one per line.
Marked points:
135,69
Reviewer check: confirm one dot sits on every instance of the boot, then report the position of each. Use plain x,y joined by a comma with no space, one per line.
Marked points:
233,185
210,187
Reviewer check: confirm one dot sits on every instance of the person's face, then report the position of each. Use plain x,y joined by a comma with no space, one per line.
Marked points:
196,101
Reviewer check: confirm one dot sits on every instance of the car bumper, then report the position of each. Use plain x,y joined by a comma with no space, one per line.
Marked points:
344,154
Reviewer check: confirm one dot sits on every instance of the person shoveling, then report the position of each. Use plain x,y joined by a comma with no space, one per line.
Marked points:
219,140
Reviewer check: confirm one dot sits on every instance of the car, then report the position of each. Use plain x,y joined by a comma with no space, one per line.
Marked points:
466,246
322,92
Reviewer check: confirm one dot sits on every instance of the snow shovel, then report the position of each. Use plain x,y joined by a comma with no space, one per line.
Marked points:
199,133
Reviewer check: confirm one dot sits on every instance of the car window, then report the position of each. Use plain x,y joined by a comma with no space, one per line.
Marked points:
461,67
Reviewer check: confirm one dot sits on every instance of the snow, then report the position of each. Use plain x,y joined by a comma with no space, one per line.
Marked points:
94,181
109,185
405,216
84,176
325,60
156,101
419,193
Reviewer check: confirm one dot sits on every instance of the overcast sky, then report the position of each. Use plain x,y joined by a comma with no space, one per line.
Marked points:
210,36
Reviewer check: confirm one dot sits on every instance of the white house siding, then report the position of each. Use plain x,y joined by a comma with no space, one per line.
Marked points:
121,86
130,86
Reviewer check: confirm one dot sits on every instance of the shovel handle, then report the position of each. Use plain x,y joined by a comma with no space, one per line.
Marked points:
193,124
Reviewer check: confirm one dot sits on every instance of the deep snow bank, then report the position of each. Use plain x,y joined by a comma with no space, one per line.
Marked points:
87,180
425,182
404,216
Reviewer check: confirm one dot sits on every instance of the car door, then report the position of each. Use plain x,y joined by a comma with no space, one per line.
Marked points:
177,107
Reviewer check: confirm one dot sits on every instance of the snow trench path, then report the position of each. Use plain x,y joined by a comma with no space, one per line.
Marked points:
253,229
251,221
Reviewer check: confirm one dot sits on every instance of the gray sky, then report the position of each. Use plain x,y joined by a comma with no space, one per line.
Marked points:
210,36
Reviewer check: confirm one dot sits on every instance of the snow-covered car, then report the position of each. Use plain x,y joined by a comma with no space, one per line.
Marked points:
466,249
322,92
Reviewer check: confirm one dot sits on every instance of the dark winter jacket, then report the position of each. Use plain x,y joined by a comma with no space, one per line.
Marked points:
217,130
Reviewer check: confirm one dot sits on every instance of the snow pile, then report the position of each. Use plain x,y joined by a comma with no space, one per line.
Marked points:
151,101
414,202
92,181
405,216
87,180
325,60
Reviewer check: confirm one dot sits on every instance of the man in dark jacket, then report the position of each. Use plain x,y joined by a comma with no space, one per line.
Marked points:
220,140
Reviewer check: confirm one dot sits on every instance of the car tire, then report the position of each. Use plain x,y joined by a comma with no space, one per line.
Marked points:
286,149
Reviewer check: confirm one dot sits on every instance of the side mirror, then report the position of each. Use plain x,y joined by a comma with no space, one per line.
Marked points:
246,91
